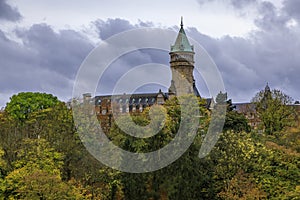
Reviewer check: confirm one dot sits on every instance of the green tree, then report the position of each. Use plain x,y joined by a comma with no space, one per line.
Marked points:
3,166
55,125
174,181
232,153
274,110
277,171
37,175
188,177
133,185
11,135
235,121
24,103
242,187
3,170
253,166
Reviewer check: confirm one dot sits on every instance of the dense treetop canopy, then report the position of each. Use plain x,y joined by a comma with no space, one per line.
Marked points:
20,105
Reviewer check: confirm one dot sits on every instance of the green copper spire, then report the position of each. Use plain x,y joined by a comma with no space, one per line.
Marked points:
182,42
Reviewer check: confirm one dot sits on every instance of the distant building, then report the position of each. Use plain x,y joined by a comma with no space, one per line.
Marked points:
249,110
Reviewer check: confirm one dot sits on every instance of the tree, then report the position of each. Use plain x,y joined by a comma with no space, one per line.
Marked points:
241,187
37,174
279,171
133,185
55,125
2,164
181,179
11,137
274,110
3,169
24,103
235,121
233,152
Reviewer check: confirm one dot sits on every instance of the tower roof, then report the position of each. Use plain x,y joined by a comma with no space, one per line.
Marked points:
182,42
267,89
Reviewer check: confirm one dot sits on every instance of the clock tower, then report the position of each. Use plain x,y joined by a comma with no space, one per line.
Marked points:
182,65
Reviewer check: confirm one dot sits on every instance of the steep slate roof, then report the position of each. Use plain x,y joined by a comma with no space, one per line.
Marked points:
240,106
182,42
140,99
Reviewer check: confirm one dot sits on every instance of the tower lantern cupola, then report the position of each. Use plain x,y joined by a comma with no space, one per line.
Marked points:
182,43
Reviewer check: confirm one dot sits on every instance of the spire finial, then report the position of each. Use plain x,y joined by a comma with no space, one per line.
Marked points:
267,88
181,24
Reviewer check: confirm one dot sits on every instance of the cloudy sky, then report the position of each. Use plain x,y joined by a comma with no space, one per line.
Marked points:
252,42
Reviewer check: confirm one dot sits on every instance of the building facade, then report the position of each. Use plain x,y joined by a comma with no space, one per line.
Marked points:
183,82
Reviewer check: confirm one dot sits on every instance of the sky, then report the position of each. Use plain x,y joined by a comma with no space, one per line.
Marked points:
253,42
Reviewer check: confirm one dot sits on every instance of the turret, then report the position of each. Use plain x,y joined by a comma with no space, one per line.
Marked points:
182,65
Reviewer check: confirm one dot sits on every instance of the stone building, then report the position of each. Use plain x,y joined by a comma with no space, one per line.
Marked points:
183,82
249,111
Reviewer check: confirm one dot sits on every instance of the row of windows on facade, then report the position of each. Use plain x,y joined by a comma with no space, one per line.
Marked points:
130,101
122,109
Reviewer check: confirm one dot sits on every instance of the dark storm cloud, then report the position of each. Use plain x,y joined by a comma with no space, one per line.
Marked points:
235,58
60,52
269,54
270,19
130,60
14,59
292,8
113,26
43,61
48,61
8,13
